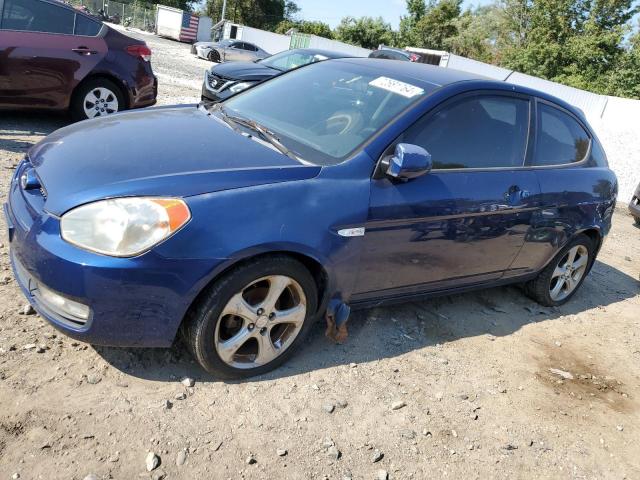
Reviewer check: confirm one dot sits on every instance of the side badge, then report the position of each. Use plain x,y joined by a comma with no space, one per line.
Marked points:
351,232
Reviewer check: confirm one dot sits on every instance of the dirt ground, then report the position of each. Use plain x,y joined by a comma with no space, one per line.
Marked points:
456,387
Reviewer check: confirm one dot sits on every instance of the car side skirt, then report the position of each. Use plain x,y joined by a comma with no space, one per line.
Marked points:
406,297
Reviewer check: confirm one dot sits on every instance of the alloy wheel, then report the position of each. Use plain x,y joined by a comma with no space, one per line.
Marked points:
100,101
260,322
568,273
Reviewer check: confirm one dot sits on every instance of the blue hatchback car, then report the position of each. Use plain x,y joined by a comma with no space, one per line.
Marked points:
346,183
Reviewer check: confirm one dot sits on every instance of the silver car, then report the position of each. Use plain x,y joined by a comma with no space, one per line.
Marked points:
229,51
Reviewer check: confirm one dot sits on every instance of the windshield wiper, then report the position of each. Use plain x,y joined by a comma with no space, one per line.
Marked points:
264,133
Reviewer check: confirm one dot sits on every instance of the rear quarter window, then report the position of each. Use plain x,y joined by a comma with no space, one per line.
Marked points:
597,158
561,140
87,27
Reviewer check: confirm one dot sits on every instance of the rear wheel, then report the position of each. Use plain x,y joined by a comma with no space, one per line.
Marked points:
97,98
560,280
637,221
252,319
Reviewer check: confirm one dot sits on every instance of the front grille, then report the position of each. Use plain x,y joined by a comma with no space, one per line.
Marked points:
216,82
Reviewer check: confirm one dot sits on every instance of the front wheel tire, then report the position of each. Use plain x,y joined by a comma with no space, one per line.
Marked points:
562,278
252,319
214,56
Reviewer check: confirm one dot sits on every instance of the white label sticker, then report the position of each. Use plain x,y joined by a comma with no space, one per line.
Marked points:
396,86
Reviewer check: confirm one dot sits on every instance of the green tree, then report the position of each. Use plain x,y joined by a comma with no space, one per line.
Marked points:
181,4
575,42
624,81
478,34
320,29
366,32
430,26
264,14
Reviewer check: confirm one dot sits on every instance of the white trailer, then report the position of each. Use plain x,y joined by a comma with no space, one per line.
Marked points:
169,22
182,26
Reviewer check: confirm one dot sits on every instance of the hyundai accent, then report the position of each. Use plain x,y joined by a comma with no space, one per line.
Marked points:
342,184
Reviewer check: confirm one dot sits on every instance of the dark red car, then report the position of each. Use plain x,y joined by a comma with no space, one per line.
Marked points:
54,57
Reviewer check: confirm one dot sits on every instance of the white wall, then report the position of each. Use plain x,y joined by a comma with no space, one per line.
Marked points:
479,68
619,131
268,41
335,46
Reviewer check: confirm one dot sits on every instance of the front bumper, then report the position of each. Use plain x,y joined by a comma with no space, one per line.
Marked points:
213,95
138,301
634,205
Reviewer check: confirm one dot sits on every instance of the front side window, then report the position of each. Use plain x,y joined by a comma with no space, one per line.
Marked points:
331,108
36,16
561,140
475,132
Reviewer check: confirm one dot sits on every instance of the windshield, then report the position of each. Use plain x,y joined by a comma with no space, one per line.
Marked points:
324,112
289,60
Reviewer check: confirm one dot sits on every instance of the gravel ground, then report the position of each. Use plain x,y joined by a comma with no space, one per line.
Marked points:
480,385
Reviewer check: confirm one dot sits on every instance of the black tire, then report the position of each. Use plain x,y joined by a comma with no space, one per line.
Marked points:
214,56
636,220
200,325
538,289
77,107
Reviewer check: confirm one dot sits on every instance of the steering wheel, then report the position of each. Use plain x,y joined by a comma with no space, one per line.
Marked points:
340,123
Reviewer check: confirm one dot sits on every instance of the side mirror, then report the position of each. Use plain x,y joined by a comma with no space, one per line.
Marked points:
409,161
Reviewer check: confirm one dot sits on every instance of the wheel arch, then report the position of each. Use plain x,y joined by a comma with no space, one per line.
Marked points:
121,84
595,234
313,263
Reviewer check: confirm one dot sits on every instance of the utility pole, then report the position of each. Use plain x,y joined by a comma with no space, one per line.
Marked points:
224,8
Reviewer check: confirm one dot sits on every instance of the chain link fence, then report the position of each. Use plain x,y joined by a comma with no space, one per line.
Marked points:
135,14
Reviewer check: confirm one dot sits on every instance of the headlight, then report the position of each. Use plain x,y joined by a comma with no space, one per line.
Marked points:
124,227
238,87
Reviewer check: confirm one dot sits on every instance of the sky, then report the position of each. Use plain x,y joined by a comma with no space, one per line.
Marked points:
332,11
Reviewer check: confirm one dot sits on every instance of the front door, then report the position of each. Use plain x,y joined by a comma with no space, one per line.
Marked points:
234,52
466,220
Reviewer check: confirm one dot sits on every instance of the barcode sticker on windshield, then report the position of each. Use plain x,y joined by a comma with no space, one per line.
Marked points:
396,86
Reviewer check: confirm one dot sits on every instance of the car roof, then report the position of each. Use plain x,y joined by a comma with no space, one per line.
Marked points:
392,49
433,76
326,53
428,74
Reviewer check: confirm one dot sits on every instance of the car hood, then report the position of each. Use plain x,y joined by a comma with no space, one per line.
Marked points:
179,151
244,71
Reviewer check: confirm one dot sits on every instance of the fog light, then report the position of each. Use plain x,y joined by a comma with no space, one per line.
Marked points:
62,305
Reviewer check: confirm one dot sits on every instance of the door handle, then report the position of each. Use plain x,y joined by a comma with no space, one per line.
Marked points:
84,51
